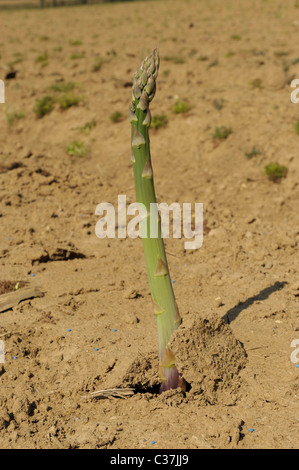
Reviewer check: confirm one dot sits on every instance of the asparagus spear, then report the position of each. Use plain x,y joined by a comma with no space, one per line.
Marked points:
165,308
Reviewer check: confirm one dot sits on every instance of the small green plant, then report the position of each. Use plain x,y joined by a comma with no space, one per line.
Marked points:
213,64
181,106
230,54
218,103
75,42
281,53
222,132
98,64
275,172
193,52
12,116
68,100
77,149
296,125
88,126
117,116
43,106
159,120
19,57
42,59
176,59
252,153
63,87
236,37
77,55
202,58
256,84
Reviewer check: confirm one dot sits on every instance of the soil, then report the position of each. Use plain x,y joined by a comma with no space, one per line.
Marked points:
93,328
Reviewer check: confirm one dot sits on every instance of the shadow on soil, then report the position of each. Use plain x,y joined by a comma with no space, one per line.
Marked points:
232,314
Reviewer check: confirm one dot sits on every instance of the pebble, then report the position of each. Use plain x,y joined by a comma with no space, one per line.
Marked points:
295,286
269,264
131,294
218,302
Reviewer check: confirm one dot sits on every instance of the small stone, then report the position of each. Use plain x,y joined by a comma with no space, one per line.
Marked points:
131,294
131,318
269,264
218,302
295,286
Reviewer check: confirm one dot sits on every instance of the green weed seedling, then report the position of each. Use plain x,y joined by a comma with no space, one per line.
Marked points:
12,116
42,59
62,87
88,126
176,59
117,116
230,54
276,172
180,106
77,149
75,42
218,103
159,120
202,58
296,125
252,153
68,100
256,84
43,106
77,55
222,132
98,64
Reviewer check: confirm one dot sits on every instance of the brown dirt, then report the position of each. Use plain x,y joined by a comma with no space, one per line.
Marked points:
93,329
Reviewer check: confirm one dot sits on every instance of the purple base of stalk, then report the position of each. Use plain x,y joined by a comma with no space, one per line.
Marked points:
173,380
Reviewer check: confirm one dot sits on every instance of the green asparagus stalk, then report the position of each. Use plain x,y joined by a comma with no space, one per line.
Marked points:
165,308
